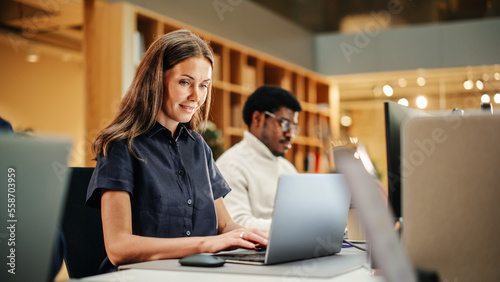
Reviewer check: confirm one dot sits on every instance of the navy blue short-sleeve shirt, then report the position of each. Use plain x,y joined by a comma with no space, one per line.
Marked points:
172,189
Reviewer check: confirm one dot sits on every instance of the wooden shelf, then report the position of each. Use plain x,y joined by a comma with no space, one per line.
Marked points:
238,71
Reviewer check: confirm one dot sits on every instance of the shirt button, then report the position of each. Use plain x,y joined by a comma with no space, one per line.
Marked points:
190,201
188,233
180,172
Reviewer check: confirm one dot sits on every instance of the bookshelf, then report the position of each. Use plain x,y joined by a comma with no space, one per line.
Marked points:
237,73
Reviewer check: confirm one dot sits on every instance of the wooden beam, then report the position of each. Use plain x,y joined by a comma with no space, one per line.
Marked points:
89,27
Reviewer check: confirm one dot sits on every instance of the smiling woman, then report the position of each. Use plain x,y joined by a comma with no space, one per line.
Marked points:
155,180
175,54
187,86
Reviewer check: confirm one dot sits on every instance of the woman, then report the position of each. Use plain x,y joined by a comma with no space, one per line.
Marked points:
155,180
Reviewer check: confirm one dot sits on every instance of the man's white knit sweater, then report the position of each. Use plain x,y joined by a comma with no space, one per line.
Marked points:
252,172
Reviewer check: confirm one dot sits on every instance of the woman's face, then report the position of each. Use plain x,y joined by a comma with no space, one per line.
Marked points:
185,89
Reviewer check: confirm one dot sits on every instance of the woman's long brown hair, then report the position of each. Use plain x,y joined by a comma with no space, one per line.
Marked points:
140,106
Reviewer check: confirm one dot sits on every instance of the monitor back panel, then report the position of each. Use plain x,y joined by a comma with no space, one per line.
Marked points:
451,195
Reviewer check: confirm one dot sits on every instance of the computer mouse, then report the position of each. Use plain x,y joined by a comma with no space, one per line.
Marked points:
202,260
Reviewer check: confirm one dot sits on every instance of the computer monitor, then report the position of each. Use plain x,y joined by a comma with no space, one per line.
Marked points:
395,116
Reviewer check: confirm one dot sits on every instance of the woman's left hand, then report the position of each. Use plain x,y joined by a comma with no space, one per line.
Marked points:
237,238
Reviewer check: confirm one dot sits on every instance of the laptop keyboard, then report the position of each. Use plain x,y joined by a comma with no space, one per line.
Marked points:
257,256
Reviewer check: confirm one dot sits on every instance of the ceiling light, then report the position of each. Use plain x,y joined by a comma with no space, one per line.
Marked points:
497,76
402,82
32,56
388,91
486,76
496,98
485,98
377,91
404,102
421,102
346,121
421,81
66,57
479,84
468,84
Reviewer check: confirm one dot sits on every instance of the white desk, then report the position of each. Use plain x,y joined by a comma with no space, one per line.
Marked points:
136,275
344,267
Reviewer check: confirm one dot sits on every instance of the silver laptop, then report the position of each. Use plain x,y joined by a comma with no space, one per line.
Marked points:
309,220
33,177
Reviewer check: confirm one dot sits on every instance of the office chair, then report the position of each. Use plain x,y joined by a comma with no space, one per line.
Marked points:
82,228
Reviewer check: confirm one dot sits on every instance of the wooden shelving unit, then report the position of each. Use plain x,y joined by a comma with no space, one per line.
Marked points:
238,72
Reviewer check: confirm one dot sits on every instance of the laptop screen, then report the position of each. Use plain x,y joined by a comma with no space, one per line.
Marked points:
312,207
33,174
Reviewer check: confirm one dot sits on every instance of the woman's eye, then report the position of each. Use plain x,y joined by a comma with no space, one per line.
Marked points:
183,82
204,86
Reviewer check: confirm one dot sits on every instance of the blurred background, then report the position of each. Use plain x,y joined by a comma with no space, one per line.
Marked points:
65,64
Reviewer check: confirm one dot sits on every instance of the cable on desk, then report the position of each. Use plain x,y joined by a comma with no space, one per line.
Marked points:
354,246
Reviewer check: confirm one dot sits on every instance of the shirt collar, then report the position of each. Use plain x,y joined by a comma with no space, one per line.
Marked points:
260,147
157,127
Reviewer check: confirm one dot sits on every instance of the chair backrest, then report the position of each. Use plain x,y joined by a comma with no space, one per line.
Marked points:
82,228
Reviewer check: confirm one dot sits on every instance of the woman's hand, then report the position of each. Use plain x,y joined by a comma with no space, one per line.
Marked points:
232,235
241,237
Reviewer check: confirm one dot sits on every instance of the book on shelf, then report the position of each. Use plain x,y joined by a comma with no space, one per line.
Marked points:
236,116
139,48
217,73
249,74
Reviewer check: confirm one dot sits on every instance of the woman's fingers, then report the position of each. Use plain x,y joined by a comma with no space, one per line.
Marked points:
254,235
244,238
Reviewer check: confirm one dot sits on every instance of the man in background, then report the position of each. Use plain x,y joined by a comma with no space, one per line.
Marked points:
252,167
5,126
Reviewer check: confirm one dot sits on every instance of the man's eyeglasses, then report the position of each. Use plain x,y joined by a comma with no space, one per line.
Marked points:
286,124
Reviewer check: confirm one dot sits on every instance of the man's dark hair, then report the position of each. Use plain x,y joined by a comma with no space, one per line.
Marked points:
5,126
271,99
